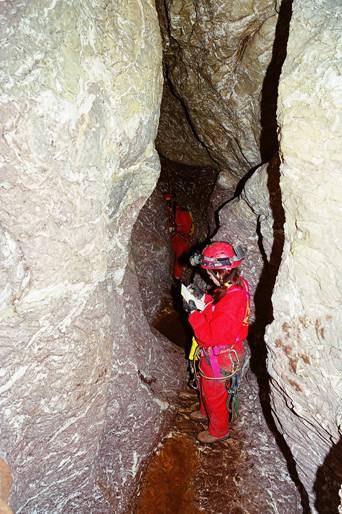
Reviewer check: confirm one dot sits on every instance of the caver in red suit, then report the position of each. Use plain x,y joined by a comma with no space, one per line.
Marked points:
220,330
217,328
181,239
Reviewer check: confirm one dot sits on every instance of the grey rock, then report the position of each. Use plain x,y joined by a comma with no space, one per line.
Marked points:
176,139
248,220
304,339
80,89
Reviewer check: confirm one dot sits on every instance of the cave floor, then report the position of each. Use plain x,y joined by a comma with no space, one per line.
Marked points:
244,474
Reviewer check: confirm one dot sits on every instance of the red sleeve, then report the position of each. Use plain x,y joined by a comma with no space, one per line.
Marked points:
220,324
207,298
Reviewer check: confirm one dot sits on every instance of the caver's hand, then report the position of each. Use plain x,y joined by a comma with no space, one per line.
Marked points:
196,291
189,307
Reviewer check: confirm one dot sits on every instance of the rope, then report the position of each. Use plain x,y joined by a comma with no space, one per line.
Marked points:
232,380
236,365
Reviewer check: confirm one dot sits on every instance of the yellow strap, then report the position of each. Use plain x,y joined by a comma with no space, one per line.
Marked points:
194,345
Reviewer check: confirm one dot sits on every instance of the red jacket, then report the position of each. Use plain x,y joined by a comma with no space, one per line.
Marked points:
225,323
183,221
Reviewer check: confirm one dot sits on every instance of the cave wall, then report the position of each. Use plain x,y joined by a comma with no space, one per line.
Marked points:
80,89
216,56
151,252
304,341
249,220
176,139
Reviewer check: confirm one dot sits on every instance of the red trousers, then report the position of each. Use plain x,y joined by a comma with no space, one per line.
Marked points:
214,394
180,244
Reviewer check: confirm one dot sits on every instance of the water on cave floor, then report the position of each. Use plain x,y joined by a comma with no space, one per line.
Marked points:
244,474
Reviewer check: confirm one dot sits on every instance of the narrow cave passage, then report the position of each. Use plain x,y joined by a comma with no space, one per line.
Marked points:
253,471
247,473
93,334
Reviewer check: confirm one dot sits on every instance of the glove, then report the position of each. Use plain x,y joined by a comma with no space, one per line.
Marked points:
189,307
196,291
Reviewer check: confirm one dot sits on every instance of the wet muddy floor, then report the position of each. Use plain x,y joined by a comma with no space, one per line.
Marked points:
246,474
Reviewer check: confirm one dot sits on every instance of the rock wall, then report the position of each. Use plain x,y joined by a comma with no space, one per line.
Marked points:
176,139
80,88
217,59
151,252
250,220
216,55
304,339
146,372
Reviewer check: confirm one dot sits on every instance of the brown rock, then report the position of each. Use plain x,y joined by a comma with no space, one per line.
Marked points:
5,487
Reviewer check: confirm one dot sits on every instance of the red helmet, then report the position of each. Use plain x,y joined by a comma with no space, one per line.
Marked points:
221,255
167,197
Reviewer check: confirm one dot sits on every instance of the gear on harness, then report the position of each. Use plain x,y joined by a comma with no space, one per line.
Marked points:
234,385
233,397
232,378
193,355
193,364
210,354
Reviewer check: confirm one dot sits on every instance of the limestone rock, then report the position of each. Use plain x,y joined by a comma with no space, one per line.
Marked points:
176,139
248,220
80,88
216,56
304,341
146,370
151,253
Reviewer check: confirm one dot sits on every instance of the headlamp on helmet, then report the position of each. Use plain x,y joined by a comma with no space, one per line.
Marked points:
195,259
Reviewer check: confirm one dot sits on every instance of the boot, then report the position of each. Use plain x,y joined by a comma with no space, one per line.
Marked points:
205,437
198,416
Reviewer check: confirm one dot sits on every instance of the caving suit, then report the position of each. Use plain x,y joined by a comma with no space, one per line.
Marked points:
220,330
181,239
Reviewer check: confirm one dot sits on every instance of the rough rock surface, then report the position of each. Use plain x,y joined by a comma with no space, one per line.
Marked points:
216,55
80,88
191,188
151,254
176,139
250,220
246,473
223,192
146,370
304,341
